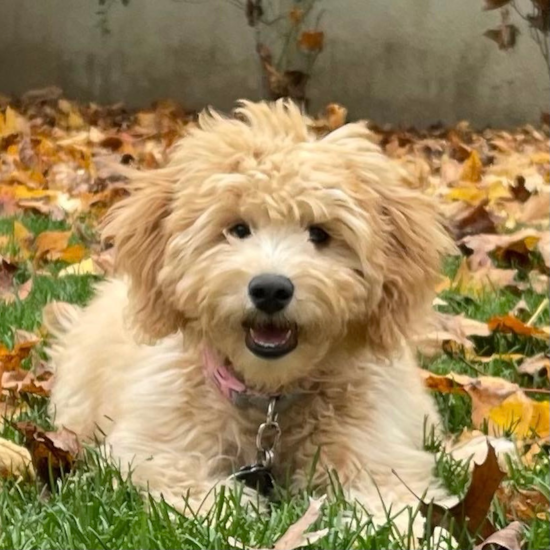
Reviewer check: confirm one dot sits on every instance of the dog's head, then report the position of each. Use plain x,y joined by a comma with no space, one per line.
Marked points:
276,246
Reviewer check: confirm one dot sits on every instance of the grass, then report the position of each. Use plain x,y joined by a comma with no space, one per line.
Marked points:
95,508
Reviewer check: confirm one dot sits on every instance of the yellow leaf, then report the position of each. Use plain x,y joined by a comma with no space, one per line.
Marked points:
467,193
75,121
540,158
497,190
20,233
8,123
521,416
472,167
85,267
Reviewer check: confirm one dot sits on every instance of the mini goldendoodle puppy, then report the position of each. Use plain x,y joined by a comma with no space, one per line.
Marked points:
262,261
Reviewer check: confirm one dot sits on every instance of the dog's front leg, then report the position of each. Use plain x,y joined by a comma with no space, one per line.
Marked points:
190,482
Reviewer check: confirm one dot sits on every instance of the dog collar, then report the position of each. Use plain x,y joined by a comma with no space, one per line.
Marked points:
236,391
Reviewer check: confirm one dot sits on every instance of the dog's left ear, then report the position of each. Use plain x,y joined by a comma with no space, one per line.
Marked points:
414,243
409,232
136,227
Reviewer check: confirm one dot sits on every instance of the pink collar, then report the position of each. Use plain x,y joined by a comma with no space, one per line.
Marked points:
236,391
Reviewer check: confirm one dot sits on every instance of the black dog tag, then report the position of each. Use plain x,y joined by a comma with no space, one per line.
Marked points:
256,476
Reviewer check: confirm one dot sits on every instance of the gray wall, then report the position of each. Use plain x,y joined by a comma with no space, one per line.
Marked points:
399,61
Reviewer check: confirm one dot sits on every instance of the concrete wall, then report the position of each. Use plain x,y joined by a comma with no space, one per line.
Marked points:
400,61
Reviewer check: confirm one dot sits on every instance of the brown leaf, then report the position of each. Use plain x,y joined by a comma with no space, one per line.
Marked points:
470,515
55,451
22,381
508,538
476,220
522,504
509,324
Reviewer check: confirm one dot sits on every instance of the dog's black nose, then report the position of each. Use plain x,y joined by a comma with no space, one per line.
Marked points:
270,293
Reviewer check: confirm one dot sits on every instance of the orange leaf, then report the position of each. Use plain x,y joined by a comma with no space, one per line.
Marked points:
509,324
51,241
73,254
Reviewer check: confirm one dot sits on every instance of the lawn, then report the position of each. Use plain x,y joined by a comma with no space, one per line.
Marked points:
53,182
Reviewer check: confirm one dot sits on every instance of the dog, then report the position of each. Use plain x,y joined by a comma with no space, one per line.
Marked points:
262,266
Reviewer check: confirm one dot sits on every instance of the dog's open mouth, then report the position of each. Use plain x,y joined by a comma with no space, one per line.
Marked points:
269,340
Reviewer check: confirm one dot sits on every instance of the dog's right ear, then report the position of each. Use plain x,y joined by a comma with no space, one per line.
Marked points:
136,227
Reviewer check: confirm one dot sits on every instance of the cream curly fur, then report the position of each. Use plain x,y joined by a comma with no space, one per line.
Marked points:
130,363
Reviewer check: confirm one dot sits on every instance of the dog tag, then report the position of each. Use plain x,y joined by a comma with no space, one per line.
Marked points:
256,476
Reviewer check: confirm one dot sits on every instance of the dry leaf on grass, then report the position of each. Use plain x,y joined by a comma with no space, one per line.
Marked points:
15,461
523,504
510,324
10,360
515,246
445,328
508,538
51,452
499,405
296,536
536,365
484,279
469,516
51,244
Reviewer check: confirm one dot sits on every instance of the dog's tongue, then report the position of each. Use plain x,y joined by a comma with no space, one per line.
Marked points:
270,334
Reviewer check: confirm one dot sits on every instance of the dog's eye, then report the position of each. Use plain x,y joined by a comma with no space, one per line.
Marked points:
318,235
240,230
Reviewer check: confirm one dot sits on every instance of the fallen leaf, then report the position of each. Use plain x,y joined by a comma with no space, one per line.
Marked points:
51,244
296,536
10,360
519,415
508,538
449,328
54,452
483,279
471,170
72,254
474,221
469,516
522,504
536,365
22,381
497,404
539,282
510,324
15,461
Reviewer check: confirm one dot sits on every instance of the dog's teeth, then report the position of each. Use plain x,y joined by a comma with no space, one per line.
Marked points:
271,344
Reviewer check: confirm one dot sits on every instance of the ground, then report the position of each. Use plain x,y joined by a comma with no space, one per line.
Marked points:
54,184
